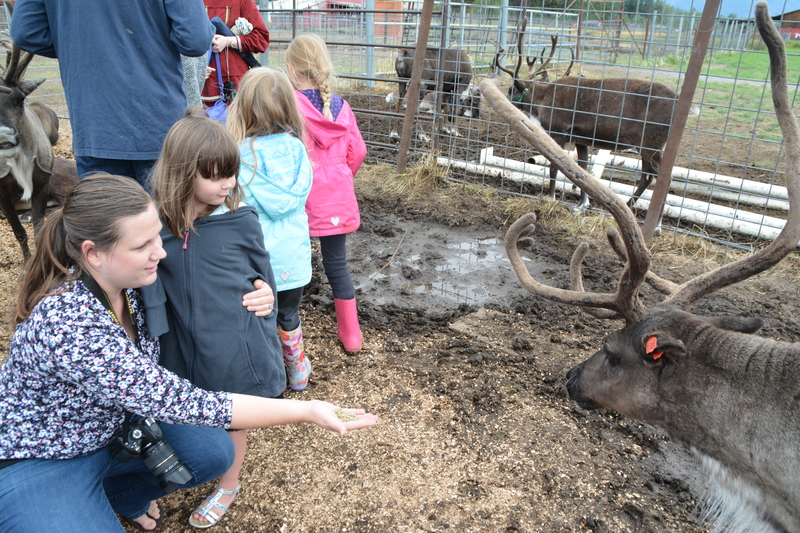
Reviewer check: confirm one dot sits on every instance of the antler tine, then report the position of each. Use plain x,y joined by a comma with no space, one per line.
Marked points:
523,23
520,230
664,286
553,41
788,238
18,60
531,61
625,302
571,61
16,65
24,60
576,281
12,64
496,61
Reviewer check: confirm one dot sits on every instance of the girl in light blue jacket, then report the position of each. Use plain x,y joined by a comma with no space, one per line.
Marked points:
276,176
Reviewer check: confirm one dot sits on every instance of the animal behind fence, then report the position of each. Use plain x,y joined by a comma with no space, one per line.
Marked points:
730,396
460,97
608,113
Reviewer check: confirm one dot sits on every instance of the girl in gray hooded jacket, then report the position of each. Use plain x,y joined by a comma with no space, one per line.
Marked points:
215,252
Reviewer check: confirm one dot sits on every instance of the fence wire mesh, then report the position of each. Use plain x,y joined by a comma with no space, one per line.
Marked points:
727,180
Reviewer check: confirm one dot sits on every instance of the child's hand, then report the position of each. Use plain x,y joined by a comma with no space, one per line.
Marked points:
325,415
261,301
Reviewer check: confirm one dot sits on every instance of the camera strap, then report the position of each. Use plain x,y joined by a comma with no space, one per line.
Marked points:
102,297
126,424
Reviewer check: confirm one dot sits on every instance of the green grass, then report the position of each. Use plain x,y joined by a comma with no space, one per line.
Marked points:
750,65
749,106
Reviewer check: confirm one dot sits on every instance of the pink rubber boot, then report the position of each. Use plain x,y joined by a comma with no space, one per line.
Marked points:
347,319
294,357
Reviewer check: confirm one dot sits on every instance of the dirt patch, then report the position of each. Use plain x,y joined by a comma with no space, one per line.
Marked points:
467,372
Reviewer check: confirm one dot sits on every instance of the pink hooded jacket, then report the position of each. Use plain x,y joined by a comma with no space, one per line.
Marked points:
337,151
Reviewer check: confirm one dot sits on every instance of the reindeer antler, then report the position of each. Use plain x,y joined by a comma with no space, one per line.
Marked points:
629,243
543,67
17,60
496,61
522,24
625,302
571,61
787,239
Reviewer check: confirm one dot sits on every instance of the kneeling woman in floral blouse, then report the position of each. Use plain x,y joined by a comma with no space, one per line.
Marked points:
82,369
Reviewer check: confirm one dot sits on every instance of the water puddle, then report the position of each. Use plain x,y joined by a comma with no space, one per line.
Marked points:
471,271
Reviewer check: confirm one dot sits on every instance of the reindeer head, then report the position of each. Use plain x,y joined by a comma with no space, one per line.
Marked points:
13,91
470,102
521,91
628,243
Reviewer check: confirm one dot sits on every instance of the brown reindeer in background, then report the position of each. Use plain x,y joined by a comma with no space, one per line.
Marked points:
459,96
732,397
612,113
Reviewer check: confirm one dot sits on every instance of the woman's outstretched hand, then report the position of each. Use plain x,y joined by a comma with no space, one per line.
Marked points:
329,416
250,412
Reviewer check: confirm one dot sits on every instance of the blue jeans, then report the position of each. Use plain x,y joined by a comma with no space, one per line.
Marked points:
136,169
84,493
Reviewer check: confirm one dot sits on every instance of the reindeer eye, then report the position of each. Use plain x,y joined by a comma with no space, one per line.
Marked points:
613,358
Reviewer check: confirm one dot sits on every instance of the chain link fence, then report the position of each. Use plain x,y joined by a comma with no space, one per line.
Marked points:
727,178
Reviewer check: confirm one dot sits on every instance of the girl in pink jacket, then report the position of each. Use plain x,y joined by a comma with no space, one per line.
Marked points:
337,150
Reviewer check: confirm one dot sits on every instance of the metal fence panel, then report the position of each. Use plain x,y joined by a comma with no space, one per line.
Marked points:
728,175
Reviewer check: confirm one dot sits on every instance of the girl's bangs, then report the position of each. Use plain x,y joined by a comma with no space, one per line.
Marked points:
219,160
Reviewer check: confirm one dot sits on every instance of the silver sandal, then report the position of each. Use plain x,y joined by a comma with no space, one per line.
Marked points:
205,510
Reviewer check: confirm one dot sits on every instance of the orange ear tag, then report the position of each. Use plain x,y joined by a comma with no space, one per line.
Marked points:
650,348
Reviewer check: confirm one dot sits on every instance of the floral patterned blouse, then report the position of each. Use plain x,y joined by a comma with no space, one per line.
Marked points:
72,371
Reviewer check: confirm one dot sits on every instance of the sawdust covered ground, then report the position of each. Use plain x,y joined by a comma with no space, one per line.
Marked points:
476,433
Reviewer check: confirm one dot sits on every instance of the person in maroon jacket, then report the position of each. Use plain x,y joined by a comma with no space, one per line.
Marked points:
250,35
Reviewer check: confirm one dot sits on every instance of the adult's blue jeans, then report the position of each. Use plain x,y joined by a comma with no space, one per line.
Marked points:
84,493
137,169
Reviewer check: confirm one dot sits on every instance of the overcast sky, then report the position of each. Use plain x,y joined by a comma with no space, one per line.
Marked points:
742,8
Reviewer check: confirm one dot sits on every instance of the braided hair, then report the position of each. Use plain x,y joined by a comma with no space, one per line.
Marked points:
309,61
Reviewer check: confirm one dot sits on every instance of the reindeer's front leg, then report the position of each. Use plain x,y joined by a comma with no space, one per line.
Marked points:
583,162
650,161
450,128
402,87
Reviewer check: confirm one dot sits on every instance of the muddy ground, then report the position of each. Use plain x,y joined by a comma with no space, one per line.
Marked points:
467,372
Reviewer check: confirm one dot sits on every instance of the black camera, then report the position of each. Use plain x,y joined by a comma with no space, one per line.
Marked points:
229,89
145,438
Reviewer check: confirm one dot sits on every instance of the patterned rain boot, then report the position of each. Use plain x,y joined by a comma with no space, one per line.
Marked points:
347,320
294,356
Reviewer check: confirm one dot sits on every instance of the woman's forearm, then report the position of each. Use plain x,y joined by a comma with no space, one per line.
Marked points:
250,412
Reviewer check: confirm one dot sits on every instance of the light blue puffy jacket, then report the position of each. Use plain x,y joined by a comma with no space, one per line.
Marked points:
277,182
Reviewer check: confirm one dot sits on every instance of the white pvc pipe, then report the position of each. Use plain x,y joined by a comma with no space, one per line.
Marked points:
725,188
684,209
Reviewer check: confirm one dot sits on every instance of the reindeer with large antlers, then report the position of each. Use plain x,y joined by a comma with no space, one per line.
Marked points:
612,113
26,151
732,397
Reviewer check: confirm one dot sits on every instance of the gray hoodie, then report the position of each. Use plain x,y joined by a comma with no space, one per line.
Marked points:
213,340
